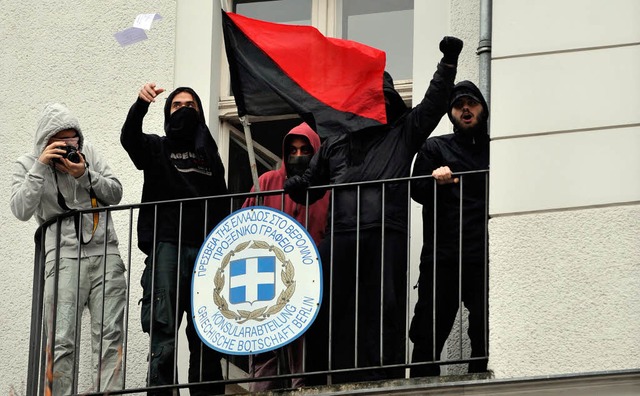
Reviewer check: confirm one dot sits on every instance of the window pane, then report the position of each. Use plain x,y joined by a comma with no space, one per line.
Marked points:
383,24
268,134
293,12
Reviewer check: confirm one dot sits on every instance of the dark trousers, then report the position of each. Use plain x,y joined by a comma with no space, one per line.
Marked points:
285,360
347,343
447,303
172,294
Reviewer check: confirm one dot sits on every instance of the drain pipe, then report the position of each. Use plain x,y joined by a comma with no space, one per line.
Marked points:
484,50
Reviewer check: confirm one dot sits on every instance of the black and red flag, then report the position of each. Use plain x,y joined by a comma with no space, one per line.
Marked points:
335,85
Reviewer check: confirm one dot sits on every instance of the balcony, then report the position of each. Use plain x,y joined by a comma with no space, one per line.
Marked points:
358,356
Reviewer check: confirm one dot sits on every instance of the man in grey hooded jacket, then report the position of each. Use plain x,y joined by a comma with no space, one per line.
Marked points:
65,173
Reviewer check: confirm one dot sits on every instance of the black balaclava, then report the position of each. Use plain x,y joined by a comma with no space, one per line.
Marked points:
296,165
467,88
184,124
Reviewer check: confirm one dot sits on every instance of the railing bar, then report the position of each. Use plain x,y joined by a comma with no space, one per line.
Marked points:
178,311
153,291
357,288
43,345
78,316
227,366
485,278
37,303
125,341
266,378
282,202
226,357
244,195
304,339
193,318
460,267
104,293
262,193
407,307
51,344
382,261
330,356
435,273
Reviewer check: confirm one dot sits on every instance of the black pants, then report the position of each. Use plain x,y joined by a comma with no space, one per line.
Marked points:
346,345
447,303
204,363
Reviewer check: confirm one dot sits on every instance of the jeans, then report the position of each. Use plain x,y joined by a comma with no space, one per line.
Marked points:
108,323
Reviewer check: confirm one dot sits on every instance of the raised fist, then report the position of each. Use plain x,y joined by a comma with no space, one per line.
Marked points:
450,47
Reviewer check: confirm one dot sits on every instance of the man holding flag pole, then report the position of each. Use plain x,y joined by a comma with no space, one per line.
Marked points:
340,89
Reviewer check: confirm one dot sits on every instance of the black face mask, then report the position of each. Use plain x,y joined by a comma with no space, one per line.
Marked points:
296,165
183,124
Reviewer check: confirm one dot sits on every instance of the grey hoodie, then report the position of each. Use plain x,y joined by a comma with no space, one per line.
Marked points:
34,192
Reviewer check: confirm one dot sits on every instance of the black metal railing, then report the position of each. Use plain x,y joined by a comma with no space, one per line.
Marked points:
337,365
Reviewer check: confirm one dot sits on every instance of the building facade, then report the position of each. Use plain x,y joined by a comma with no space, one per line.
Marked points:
565,153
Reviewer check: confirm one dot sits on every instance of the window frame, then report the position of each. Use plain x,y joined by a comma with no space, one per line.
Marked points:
326,17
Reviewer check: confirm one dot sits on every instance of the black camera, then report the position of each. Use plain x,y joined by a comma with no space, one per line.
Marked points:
71,153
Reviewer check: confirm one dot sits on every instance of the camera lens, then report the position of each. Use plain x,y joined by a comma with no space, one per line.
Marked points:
74,157
71,154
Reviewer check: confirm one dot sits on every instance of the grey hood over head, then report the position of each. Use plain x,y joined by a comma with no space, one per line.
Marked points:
37,189
55,117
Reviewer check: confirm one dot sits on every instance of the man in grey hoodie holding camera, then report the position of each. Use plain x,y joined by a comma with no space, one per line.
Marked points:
65,173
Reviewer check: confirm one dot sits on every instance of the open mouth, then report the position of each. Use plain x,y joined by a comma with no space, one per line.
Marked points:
467,116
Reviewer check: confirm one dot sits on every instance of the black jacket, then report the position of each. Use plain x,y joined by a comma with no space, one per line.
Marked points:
160,158
461,152
377,154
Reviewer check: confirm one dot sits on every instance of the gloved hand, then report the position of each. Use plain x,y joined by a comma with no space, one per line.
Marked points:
450,48
296,187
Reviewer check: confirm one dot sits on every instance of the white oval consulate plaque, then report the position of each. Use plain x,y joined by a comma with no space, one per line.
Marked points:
257,282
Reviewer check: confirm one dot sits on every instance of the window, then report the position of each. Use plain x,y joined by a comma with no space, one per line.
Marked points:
267,141
384,24
294,12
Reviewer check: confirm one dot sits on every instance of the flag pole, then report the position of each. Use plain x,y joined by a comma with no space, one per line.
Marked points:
252,158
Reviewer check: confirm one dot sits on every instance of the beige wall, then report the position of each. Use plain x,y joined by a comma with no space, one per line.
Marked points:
564,165
564,292
65,51
565,196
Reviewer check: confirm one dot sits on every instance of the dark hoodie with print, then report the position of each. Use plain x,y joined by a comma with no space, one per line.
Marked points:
461,151
183,164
